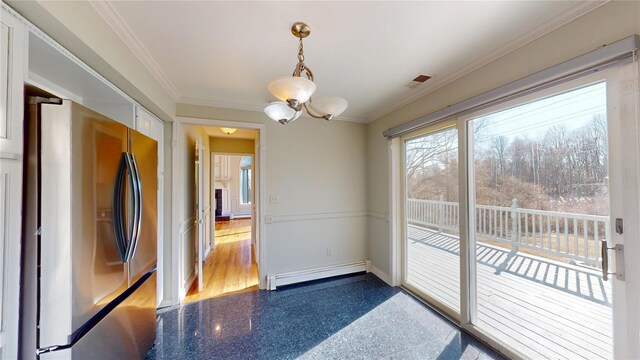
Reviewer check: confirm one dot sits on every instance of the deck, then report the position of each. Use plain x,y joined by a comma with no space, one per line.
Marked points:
549,309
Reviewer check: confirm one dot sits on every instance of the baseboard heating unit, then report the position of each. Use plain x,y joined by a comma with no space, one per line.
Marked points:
293,277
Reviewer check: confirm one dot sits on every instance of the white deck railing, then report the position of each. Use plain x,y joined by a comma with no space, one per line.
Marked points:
572,236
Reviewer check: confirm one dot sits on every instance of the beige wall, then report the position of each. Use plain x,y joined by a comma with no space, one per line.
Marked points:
232,146
315,167
606,24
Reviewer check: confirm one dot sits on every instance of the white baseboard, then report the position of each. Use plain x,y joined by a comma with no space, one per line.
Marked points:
187,285
293,277
381,274
164,303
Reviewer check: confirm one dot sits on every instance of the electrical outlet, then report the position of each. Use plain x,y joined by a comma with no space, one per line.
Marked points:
274,199
328,252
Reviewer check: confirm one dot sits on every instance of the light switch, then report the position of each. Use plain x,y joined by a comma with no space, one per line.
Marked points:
275,199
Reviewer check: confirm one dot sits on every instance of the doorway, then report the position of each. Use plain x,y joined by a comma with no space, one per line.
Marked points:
204,251
230,259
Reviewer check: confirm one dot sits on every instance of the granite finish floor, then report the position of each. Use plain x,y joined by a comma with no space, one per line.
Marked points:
350,317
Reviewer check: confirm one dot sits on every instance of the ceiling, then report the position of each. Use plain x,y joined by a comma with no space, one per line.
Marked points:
225,53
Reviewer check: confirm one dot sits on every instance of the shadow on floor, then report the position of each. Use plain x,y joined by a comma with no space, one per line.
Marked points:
567,278
341,318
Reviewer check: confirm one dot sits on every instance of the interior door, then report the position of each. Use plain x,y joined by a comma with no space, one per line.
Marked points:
254,203
212,198
199,213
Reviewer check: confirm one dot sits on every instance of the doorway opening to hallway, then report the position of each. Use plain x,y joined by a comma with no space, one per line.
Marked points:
228,263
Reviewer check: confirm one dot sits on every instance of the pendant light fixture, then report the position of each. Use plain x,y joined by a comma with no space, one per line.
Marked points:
295,91
228,131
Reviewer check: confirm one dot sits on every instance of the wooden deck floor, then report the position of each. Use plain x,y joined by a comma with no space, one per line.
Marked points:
542,308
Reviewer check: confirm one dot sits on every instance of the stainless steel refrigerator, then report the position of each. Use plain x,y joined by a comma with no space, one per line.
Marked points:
89,236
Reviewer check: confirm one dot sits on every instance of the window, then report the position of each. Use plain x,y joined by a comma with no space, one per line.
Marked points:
245,180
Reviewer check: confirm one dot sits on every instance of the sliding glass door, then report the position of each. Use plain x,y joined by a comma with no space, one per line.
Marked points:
432,246
542,207
528,254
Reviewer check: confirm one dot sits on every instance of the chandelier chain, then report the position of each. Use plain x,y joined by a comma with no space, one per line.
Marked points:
301,67
300,51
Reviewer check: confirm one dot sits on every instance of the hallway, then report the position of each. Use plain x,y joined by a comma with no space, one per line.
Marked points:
230,266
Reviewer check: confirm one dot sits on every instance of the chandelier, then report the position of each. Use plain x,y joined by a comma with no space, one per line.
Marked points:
295,91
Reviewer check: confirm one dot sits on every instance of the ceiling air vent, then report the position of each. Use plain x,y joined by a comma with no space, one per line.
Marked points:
417,81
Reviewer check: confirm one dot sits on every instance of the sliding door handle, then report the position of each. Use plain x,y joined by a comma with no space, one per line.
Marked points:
604,250
619,251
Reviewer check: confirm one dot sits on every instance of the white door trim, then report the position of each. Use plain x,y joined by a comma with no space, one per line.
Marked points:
199,218
177,186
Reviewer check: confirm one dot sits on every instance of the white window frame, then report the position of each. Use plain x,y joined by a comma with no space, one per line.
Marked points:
249,177
623,345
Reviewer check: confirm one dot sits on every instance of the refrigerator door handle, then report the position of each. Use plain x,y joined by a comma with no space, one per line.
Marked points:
137,198
133,185
119,222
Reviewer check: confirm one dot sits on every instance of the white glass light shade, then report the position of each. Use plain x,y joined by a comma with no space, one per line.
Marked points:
329,105
279,110
228,131
292,87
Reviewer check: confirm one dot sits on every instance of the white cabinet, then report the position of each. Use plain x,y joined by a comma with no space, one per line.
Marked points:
149,125
12,65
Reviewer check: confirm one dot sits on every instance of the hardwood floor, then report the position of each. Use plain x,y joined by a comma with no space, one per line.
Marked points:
230,266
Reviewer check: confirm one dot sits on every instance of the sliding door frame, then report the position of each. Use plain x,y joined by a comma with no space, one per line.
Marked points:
402,197
468,284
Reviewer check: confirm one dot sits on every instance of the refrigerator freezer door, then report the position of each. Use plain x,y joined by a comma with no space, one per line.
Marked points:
126,333
145,153
80,264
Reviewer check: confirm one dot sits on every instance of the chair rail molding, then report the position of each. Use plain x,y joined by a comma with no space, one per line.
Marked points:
271,219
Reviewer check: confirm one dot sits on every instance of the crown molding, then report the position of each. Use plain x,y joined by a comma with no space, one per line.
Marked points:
111,16
436,82
187,100
233,105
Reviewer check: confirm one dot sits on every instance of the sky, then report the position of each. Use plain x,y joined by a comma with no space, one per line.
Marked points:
573,109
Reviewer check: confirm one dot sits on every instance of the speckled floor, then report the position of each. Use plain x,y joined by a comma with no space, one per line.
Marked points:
351,317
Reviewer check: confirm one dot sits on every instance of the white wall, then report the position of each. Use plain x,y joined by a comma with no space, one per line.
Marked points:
317,169
606,24
186,164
